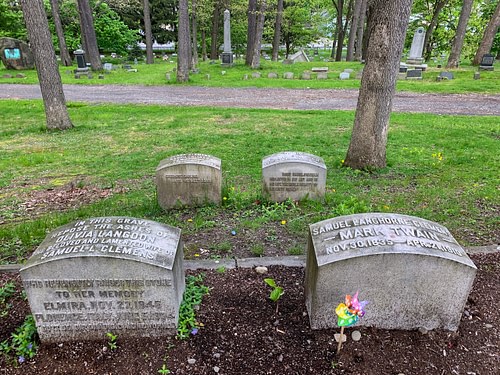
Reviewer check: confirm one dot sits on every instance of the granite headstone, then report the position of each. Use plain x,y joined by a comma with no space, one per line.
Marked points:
107,274
293,175
411,270
189,179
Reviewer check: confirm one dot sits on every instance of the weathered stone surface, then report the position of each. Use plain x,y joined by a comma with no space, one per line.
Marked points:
288,75
412,271
344,75
16,54
294,175
189,179
109,274
272,75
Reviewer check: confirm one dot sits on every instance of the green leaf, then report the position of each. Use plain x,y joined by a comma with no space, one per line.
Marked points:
270,282
276,294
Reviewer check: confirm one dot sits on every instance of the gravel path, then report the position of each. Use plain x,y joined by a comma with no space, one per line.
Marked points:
302,99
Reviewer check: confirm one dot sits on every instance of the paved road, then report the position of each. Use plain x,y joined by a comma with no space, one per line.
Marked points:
304,99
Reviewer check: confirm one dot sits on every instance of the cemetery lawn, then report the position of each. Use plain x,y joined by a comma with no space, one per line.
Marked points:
441,168
241,333
156,74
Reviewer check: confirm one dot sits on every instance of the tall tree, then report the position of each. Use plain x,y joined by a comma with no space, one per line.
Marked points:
251,31
277,30
488,36
148,33
194,33
353,30
258,34
214,46
387,23
88,35
438,7
63,49
458,40
56,113
358,55
183,43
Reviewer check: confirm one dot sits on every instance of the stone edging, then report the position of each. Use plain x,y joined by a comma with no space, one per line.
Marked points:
287,261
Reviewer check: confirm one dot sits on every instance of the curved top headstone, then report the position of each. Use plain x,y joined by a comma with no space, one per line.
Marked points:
120,237
199,159
293,157
360,235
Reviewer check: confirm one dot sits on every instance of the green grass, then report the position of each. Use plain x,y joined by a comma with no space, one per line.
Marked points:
155,74
442,168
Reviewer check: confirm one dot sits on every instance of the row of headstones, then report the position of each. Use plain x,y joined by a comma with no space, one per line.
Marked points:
306,75
194,179
126,275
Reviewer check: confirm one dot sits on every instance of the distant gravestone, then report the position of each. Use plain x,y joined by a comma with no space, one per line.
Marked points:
299,56
322,75
412,271
227,55
344,76
272,75
188,179
256,75
349,70
323,69
288,75
417,47
445,76
487,62
403,69
108,67
414,74
306,75
108,274
293,175
16,54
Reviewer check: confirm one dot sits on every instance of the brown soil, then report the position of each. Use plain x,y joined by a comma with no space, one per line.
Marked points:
243,334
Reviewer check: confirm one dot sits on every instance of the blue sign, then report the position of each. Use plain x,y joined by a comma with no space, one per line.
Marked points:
12,53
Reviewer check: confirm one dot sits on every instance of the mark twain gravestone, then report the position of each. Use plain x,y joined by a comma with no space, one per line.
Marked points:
293,175
188,179
107,274
412,271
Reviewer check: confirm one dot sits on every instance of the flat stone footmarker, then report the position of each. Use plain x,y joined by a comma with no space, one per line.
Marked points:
272,98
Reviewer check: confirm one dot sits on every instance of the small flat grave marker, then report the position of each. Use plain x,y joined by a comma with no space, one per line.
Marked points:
445,76
344,75
487,62
272,75
288,75
188,179
294,175
414,74
256,75
322,75
412,271
108,274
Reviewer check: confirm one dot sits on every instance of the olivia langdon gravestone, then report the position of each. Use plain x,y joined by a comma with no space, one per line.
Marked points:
108,274
412,271
293,175
188,179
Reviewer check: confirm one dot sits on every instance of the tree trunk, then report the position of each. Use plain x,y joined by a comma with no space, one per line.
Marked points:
277,30
56,113
339,29
194,32
358,55
258,35
204,45
148,33
488,36
353,30
63,49
214,47
430,29
88,34
251,31
387,21
458,41
183,43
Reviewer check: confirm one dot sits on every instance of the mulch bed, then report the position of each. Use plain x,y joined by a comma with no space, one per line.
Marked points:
243,334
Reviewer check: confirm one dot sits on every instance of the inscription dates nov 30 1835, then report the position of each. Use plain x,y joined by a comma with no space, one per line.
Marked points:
113,236
371,231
